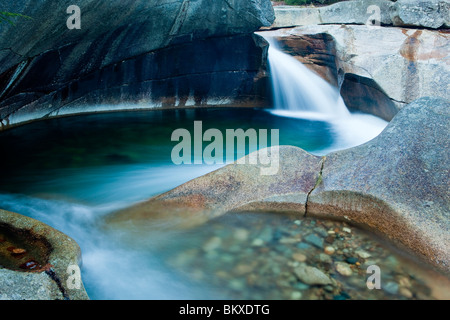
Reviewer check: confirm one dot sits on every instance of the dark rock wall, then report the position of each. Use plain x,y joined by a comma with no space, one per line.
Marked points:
148,53
217,71
365,95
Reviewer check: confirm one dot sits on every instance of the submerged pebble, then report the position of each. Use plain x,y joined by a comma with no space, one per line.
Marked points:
315,240
329,250
391,287
344,269
311,275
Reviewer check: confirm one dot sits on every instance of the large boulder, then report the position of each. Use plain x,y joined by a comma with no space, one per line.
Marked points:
234,187
346,12
396,185
35,260
142,53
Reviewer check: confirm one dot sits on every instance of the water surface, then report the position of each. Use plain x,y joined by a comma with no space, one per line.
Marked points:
72,172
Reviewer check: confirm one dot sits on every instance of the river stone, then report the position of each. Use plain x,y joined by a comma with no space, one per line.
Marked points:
311,275
343,269
396,184
51,284
363,254
391,287
315,240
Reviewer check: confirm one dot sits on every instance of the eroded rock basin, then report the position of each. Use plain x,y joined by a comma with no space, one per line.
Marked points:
73,179
21,250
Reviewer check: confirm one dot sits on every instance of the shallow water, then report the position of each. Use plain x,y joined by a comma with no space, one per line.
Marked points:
71,172
260,256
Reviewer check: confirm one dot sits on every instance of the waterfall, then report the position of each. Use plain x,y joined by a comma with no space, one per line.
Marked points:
300,93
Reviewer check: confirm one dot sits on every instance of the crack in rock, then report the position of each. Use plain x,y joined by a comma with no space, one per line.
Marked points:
318,182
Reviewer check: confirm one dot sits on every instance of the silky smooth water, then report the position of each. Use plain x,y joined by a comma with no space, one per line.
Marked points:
300,93
71,172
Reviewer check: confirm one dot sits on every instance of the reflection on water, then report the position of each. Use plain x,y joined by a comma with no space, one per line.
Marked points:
70,173
87,155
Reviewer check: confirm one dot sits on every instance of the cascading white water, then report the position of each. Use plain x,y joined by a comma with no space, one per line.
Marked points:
300,93
297,89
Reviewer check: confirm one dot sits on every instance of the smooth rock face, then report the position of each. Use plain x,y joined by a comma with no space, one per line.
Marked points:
356,12
48,284
346,12
146,53
396,185
380,69
200,73
234,187
124,28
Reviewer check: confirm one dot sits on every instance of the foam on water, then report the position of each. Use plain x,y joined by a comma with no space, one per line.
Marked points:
300,93
75,200
109,266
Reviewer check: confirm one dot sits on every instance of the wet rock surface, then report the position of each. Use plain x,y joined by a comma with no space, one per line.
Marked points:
22,251
267,256
34,259
119,30
212,72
